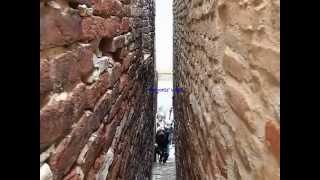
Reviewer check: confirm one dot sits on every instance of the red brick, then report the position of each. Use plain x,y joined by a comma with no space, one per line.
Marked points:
102,106
45,81
112,45
55,120
68,150
64,70
109,132
96,90
57,29
90,152
108,8
57,117
95,27
79,100
85,62
273,137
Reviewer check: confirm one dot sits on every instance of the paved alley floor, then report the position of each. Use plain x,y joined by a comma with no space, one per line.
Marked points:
166,171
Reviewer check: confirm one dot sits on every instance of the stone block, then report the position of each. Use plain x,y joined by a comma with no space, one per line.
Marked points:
108,8
79,100
85,62
58,28
96,27
64,70
46,85
112,45
91,149
69,148
103,106
55,119
96,90
57,116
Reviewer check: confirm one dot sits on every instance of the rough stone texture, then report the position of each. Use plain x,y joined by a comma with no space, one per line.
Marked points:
95,69
226,59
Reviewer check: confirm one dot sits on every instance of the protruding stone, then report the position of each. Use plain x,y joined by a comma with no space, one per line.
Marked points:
111,45
55,119
108,8
96,27
57,28
64,70
68,150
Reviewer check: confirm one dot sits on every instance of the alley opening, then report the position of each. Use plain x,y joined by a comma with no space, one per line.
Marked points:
164,160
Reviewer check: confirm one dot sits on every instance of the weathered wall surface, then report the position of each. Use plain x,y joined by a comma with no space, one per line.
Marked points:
226,59
96,116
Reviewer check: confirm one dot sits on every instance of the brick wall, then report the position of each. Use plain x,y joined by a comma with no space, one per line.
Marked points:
96,63
226,59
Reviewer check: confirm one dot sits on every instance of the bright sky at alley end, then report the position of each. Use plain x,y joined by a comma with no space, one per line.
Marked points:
163,35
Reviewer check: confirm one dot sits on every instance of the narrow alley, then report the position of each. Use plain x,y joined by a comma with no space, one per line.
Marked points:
165,171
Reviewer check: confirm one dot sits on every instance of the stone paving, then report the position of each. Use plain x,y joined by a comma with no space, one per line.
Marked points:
166,171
